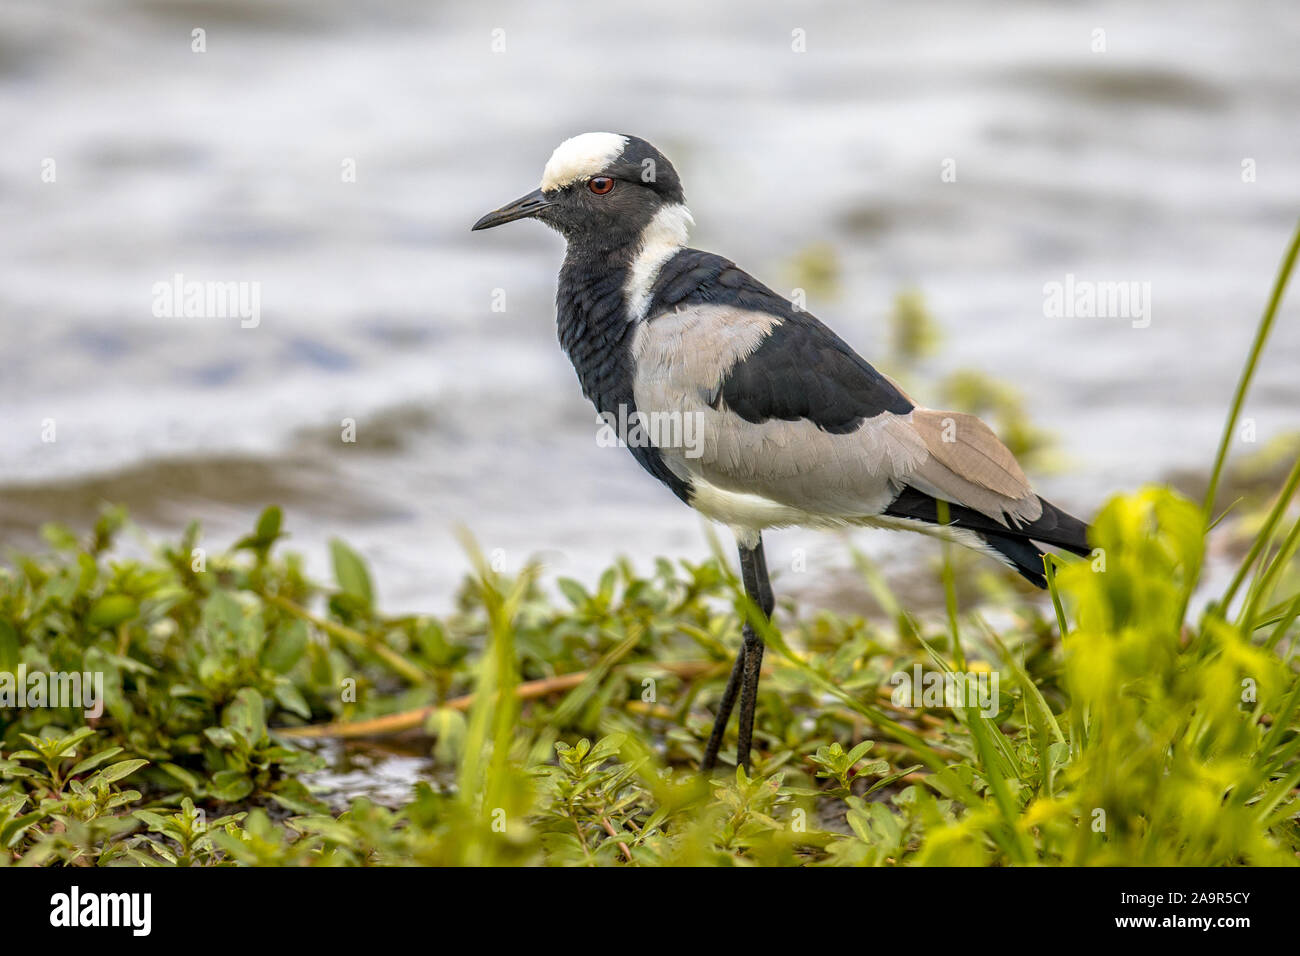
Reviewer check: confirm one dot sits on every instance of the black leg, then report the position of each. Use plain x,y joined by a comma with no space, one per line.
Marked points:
744,676
724,712
753,658
753,571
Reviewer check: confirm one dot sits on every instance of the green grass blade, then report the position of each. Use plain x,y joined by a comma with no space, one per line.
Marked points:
1248,372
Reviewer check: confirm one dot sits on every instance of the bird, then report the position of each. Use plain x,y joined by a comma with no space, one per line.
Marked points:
747,407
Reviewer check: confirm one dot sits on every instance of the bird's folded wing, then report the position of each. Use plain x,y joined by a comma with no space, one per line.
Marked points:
968,465
786,410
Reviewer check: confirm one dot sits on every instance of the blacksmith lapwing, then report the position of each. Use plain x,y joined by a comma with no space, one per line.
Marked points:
747,407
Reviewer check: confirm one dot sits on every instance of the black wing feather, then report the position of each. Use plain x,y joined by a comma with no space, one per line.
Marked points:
802,370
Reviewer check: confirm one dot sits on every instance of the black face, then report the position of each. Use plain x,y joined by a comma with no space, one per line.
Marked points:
607,211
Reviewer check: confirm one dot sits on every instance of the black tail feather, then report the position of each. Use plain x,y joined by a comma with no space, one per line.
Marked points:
1020,554
1053,527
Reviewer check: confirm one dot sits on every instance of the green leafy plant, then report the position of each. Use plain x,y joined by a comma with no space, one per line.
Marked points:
1127,728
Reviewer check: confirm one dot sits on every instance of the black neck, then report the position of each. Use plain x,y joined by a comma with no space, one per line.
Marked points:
596,332
593,324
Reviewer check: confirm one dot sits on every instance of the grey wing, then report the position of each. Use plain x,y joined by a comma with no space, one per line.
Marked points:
779,409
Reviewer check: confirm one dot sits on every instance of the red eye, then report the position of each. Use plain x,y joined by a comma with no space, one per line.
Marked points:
600,185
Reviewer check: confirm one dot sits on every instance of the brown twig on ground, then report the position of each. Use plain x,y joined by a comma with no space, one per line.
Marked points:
529,690
609,828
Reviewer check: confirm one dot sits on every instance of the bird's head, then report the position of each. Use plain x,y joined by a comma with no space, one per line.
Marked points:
600,191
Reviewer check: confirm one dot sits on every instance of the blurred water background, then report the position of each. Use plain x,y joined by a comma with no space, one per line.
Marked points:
376,301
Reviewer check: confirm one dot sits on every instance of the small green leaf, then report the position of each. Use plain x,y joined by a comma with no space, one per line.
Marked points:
66,745
190,781
572,590
351,574
858,752
286,647
11,831
607,747
58,537
119,770
230,786
268,524
153,820
111,610
245,716
289,697
93,761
